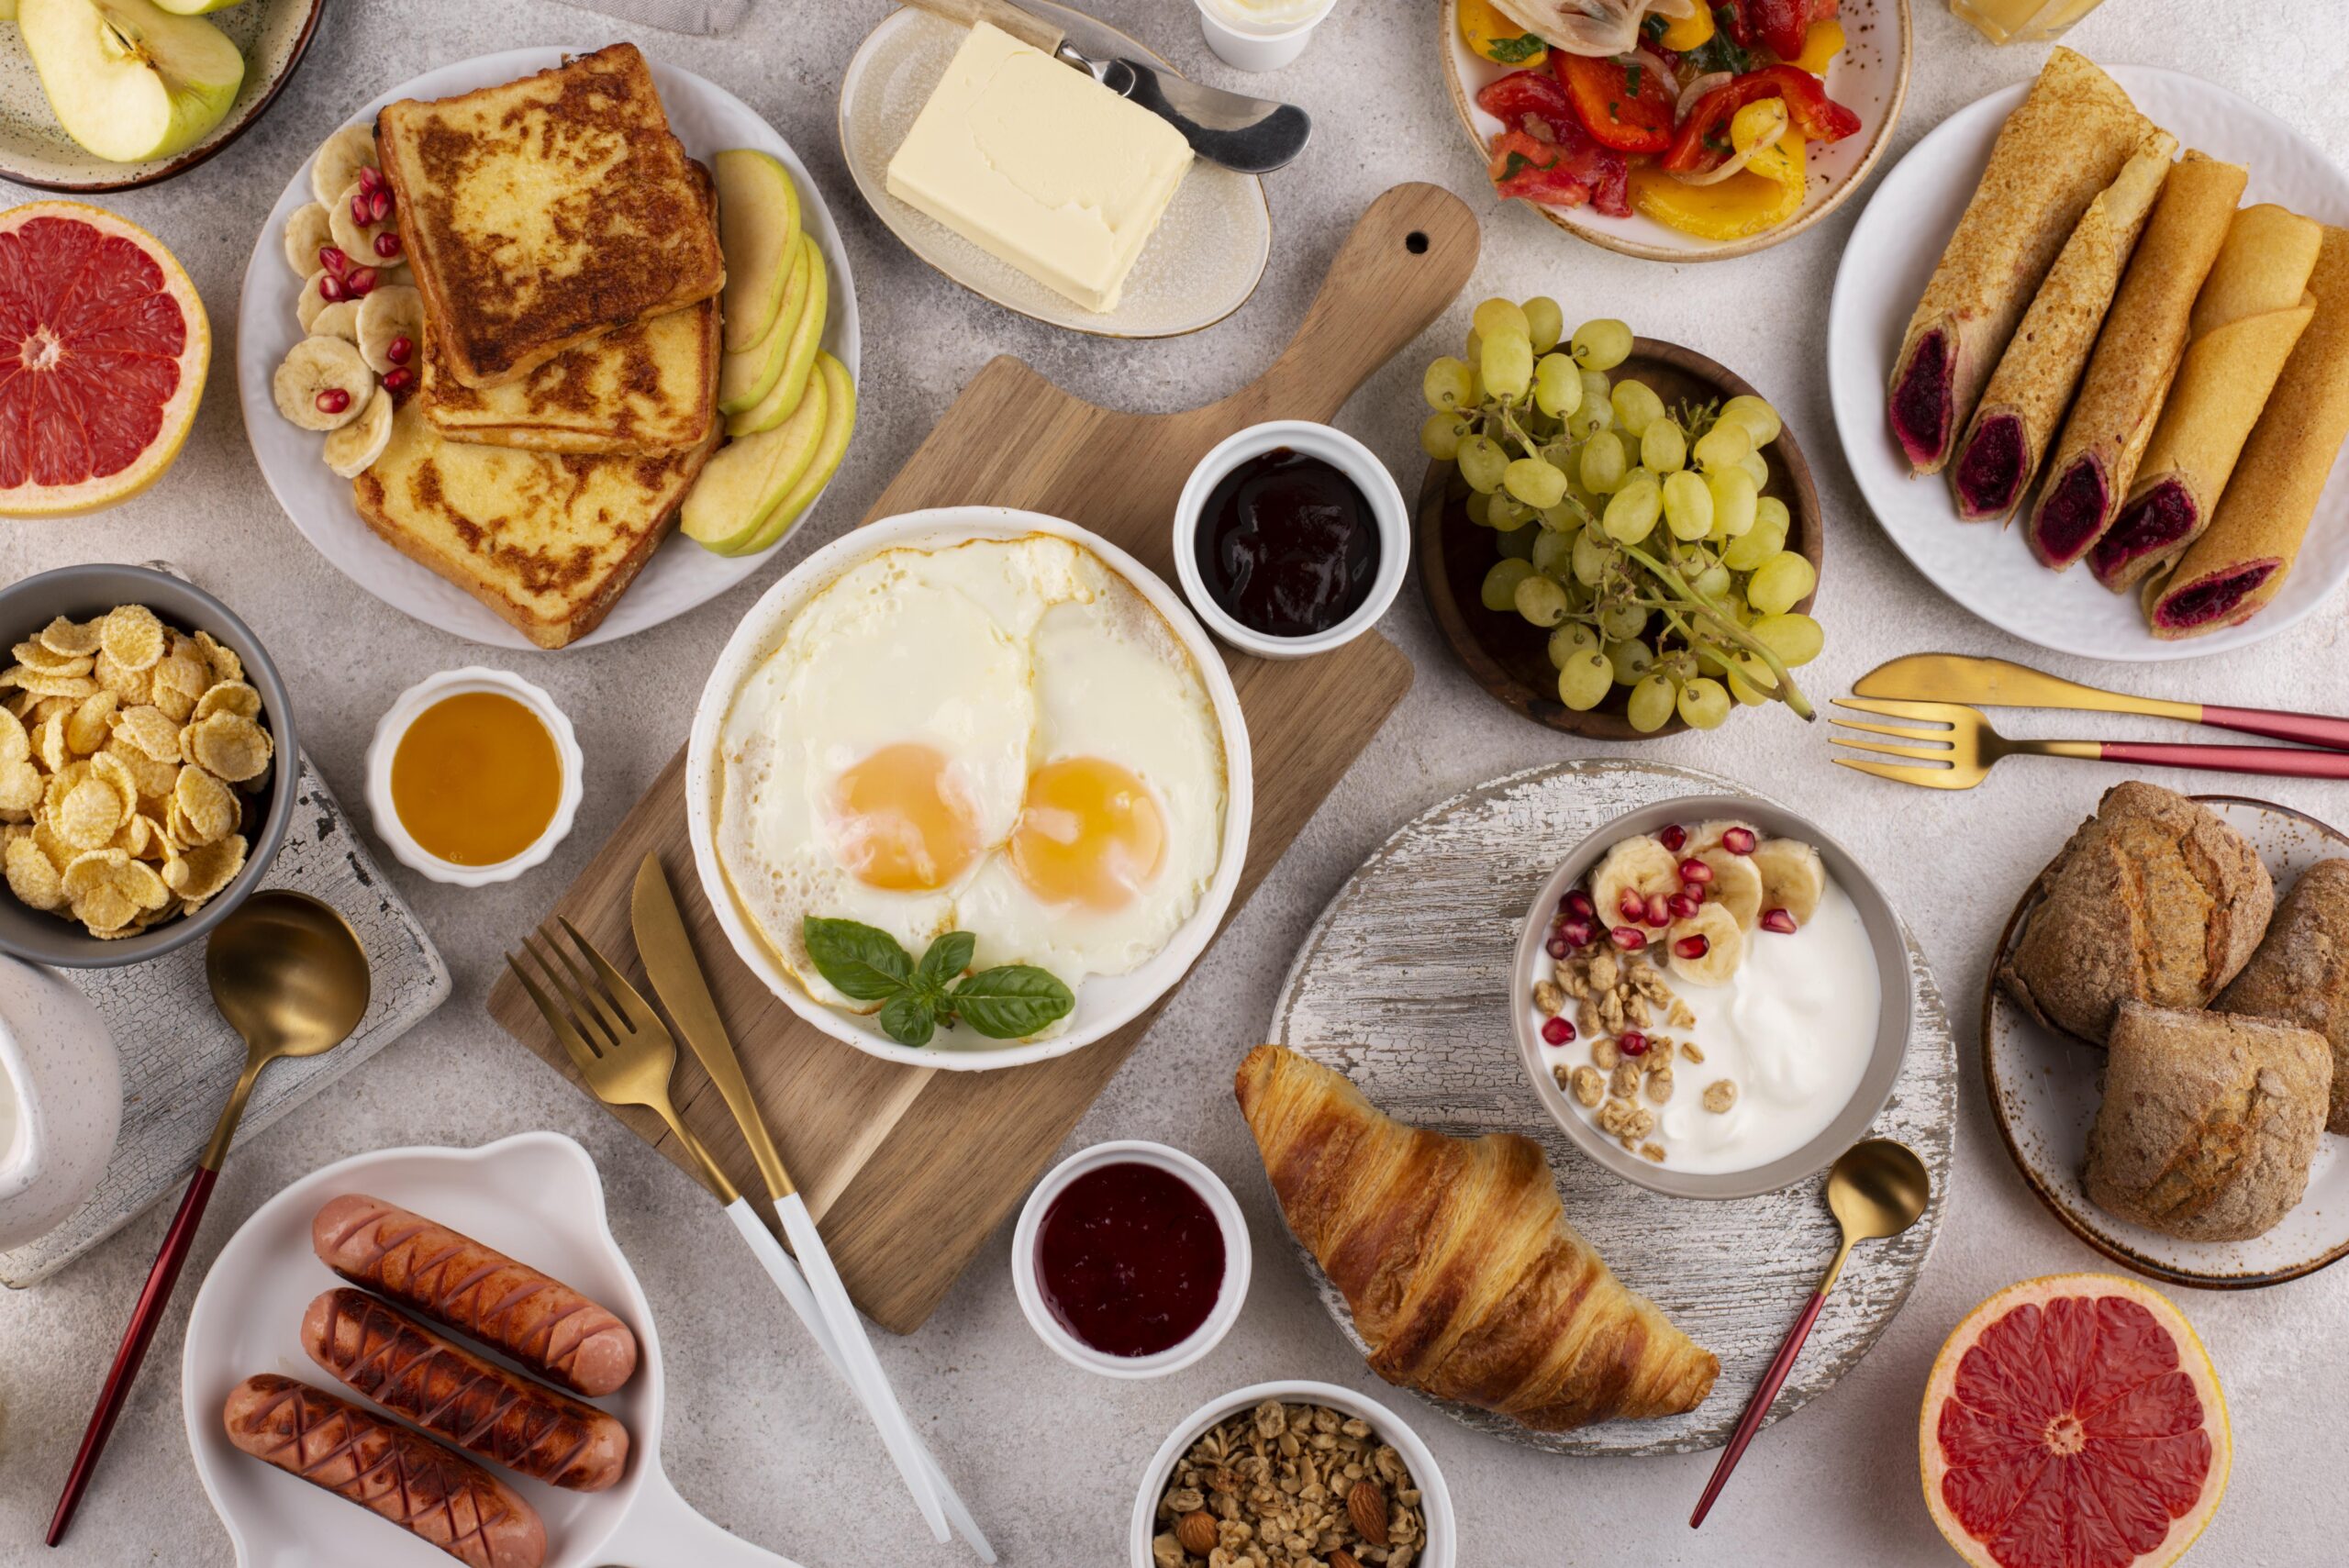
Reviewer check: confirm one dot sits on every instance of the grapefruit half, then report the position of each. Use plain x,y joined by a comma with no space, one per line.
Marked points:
2074,1422
104,347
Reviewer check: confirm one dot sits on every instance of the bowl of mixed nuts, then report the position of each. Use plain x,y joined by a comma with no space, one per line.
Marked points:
1294,1475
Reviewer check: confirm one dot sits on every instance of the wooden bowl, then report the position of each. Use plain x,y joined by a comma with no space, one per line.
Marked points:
1508,654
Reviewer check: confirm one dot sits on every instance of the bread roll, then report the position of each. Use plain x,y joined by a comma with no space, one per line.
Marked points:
2301,973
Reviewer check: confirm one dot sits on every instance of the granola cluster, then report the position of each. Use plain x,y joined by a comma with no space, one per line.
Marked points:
1619,1000
1289,1486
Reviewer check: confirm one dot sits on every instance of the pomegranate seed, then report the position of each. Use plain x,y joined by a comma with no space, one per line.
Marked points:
1684,905
1738,840
333,400
1695,871
1658,911
399,350
332,288
358,208
1691,947
387,244
1697,890
1557,1031
1579,903
1631,1042
1630,938
1673,836
331,258
1579,933
398,379
1631,907
379,204
1557,947
1778,921
362,281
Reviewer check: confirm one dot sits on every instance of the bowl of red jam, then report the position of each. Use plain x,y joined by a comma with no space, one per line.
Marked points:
1290,539
1131,1259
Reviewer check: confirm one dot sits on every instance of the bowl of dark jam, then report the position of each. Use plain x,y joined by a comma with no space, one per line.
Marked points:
1131,1259
1290,540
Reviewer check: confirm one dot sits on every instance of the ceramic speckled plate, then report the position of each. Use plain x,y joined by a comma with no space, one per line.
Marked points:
35,151
1405,986
2046,1086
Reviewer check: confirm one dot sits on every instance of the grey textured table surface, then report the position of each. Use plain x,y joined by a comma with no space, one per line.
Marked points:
759,1437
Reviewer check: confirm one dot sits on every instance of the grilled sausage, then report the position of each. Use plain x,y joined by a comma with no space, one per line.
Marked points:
489,1412
407,1478
456,1282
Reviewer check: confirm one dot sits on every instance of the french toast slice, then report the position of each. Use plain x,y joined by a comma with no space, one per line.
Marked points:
650,387
546,212
550,541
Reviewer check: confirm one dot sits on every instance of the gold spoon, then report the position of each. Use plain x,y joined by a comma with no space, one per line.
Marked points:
1878,1188
288,974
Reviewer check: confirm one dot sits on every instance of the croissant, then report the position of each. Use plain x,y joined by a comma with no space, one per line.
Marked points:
1456,1260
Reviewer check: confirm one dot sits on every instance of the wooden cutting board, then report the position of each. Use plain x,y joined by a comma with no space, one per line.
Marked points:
910,1170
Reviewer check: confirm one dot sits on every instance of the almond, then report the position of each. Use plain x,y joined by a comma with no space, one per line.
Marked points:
1196,1532
1366,1505
1344,1559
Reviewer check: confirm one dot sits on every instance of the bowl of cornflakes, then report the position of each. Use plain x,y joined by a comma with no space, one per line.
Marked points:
148,765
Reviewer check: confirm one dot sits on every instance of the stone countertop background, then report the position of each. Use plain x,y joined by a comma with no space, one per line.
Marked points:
759,1437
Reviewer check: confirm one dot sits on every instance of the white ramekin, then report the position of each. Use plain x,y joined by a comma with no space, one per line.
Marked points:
395,724
1229,1295
1351,458
1442,1548
1246,46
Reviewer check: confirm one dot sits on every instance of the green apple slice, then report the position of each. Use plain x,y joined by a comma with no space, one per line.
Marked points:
130,82
799,355
745,378
839,393
196,7
742,484
758,230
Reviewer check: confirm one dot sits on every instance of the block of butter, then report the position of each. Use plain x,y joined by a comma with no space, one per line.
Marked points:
1039,164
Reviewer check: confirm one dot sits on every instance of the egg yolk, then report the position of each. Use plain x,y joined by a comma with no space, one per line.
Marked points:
902,822
1088,833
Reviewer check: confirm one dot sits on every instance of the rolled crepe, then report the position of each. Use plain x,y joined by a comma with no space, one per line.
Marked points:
2136,355
2026,397
2063,144
2249,314
2236,568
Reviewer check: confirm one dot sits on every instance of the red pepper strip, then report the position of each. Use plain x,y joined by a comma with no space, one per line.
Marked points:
1777,25
1628,115
1523,94
1702,142
1564,173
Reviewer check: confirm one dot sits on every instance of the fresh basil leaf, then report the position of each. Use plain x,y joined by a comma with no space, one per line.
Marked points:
1514,51
908,1017
949,956
1012,1002
857,961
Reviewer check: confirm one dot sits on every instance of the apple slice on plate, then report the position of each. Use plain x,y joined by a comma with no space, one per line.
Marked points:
128,80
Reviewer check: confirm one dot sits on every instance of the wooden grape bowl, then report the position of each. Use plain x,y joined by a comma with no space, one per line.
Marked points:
1508,655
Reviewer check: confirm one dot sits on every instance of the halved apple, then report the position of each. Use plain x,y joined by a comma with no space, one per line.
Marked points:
839,393
739,486
130,81
744,378
758,230
196,7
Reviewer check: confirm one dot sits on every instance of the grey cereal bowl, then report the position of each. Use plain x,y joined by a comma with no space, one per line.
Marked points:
1896,1001
80,593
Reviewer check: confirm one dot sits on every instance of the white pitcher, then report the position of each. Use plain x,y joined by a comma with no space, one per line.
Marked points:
61,1100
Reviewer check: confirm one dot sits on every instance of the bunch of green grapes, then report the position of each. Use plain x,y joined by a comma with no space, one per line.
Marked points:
1636,534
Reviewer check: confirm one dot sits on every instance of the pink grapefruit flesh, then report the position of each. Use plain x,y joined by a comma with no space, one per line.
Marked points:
2074,1422
104,347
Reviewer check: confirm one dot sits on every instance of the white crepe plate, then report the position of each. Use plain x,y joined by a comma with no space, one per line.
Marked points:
681,575
1893,250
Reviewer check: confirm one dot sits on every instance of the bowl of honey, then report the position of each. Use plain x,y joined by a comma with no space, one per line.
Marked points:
473,776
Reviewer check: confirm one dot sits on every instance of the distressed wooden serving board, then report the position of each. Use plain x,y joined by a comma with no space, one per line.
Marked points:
911,1170
1403,985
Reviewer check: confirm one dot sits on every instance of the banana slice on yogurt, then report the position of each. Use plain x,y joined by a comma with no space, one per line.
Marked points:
1793,876
352,449
1706,947
1737,884
339,159
1640,865
307,232
394,311
323,384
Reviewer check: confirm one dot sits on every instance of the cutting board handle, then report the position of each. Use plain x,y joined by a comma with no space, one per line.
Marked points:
1406,260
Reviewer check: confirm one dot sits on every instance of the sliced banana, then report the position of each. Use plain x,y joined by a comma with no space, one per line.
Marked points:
352,449
354,239
1793,876
391,312
1736,885
1707,835
318,366
311,302
339,319
306,231
1725,946
336,167
1640,865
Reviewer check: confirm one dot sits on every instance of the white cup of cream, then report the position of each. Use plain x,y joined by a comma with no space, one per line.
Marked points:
1260,35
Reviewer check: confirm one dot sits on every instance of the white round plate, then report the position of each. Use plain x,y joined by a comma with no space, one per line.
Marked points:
1893,250
536,1197
1404,984
681,575
2046,1087
1201,265
1870,78
1104,1003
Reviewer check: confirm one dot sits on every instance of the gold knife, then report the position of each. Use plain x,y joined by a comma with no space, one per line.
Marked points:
1997,683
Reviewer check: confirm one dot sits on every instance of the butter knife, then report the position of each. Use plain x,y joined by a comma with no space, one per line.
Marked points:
1997,683
811,1285
1254,136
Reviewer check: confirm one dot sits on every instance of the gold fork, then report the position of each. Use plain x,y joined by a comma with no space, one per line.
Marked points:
1957,748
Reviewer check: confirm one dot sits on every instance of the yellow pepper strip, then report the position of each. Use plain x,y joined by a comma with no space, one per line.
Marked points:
1766,193
1819,47
1684,33
1499,39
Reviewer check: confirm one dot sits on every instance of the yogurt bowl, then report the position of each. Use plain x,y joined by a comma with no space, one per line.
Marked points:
1797,1052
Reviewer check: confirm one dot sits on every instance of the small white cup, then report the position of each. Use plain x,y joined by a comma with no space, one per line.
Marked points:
1257,46
403,712
1230,1293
